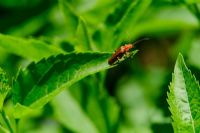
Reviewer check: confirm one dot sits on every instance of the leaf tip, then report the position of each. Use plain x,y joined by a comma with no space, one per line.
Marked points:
180,58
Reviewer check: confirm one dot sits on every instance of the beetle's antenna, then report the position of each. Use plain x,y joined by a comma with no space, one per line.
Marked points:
141,40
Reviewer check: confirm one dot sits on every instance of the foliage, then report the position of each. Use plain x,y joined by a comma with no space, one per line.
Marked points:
55,76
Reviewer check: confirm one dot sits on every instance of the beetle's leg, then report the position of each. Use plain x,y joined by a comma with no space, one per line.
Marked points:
118,60
127,54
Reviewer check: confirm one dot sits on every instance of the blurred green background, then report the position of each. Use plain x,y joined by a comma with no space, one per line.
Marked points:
129,98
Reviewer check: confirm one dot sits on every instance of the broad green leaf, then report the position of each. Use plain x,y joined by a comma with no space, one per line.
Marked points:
40,82
65,106
4,87
27,48
184,99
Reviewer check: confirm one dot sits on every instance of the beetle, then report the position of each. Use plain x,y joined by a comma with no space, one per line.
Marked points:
123,50
119,53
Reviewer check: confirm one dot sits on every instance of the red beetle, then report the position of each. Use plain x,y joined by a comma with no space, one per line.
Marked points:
120,52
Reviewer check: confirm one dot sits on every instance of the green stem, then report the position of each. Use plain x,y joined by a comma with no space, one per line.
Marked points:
5,118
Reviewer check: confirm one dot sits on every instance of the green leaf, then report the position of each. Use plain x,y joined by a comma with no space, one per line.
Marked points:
184,99
3,130
116,16
40,82
100,107
72,19
4,87
163,21
82,36
28,48
183,43
65,106
126,14
29,26
193,53
134,13
6,122
95,111
21,110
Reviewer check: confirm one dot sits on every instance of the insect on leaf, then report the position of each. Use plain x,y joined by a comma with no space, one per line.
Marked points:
114,60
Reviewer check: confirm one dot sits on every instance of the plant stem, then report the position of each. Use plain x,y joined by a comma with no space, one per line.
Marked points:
5,118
